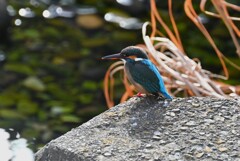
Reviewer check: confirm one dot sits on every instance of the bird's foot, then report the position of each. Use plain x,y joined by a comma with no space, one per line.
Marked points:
139,94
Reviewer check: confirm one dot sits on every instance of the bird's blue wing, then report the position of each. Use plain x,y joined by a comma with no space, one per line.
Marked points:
146,74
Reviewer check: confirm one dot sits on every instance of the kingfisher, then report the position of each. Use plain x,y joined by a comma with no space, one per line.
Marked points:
141,72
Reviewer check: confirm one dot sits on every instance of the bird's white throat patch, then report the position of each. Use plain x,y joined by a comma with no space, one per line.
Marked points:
138,59
124,61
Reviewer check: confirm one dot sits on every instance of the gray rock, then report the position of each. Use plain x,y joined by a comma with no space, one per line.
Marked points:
148,129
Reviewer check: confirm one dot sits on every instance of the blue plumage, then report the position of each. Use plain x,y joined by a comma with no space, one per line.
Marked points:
145,73
141,72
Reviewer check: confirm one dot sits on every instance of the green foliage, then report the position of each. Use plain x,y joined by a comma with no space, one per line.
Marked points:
11,114
27,107
34,83
52,77
19,68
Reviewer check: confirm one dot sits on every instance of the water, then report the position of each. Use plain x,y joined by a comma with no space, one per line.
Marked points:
14,150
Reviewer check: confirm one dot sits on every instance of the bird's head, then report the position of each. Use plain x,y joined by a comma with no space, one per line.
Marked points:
131,52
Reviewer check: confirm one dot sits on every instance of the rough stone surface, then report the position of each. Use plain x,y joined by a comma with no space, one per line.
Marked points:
153,130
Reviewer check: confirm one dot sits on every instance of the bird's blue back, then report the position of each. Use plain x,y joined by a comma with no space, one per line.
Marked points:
145,73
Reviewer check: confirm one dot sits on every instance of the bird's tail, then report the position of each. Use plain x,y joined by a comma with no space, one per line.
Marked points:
166,95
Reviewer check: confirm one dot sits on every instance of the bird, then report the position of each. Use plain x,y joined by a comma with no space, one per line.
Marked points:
141,72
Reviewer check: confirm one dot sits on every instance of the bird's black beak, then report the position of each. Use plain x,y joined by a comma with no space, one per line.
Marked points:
113,56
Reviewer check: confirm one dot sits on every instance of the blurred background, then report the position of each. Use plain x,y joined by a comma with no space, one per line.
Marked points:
51,72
